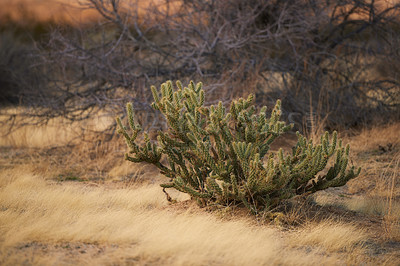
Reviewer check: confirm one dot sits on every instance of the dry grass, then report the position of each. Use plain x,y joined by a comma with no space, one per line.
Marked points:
117,213
57,132
376,193
331,236
33,210
370,139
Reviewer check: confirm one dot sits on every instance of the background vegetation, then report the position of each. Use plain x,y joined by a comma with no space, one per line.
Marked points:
67,196
331,63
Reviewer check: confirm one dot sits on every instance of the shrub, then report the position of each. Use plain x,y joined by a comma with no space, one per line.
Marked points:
217,155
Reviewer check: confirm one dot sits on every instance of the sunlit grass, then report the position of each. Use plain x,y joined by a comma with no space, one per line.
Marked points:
331,236
56,132
33,210
120,221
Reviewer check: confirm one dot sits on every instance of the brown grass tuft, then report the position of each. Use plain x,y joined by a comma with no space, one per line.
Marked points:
330,236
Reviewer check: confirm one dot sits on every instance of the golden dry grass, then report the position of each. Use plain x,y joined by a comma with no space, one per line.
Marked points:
36,211
57,132
376,193
117,213
331,236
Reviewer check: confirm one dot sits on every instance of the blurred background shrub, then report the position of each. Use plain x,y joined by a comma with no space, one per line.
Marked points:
334,64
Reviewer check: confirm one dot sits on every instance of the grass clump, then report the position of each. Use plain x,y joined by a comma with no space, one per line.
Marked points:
216,155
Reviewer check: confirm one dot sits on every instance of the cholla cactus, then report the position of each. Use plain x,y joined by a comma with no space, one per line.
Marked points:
217,155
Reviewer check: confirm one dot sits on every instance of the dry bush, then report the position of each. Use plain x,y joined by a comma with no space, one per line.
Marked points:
322,58
16,74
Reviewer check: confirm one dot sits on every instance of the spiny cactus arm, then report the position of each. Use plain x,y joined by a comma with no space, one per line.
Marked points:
242,117
226,137
130,140
263,149
276,113
167,185
167,90
131,117
166,171
225,134
180,185
261,118
225,168
323,183
149,152
275,176
310,159
220,147
203,152
270,171
256,176
213,187
337,174
144,156
185,155
177,162
170,104
276,126
244,152
234,183
237,106
250,134
190,177
195,125
285,169
135,128
265,189
189,118
247,103
168,140
200,172
293,172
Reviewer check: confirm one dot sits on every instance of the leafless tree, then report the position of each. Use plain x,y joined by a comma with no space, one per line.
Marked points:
336,61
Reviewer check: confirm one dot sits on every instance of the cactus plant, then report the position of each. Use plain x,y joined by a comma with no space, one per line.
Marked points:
220,155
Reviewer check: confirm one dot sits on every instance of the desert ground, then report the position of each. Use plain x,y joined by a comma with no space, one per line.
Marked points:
69,200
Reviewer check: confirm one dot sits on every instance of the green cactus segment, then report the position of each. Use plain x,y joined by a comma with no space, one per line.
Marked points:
216,154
